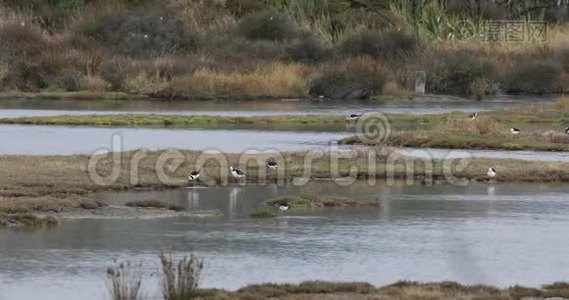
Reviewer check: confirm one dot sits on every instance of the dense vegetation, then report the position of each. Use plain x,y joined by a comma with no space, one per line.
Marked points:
276,48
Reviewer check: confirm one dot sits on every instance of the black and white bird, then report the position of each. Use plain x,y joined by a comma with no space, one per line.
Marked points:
491,173
352,117
194,175
473,116
272,164
284,206
567,130
514,130
236,173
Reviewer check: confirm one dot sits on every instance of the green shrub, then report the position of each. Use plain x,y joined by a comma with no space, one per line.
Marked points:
534,77
266,25
136,35
378,44
113,74
308,50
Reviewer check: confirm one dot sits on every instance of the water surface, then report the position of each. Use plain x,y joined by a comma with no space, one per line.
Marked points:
501,234
26,108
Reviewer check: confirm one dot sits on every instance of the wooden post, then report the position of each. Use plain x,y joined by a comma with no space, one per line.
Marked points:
420,81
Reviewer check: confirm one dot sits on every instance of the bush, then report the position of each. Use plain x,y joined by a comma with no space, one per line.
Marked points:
354,79
266,25
534,77
308,50
25,77
241,8
21,39
136,35
378,44
233,52
113,74
462,74
71,80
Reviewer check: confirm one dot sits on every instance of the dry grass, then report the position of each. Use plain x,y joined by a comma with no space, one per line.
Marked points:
95,84
481,125
181,278
145,84
275,80
124,281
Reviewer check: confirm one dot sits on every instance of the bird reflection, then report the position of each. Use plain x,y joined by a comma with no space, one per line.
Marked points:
193,198
233,196
491,190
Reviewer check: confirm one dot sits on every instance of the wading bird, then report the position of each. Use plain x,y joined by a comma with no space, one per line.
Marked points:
272,164
491,173
194,175
236,173
352,117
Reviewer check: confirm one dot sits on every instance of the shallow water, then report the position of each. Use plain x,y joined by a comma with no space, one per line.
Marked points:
499,234
25,108
66,140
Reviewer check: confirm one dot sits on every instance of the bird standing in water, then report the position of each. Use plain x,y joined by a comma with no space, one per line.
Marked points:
272,164
491,173
236,173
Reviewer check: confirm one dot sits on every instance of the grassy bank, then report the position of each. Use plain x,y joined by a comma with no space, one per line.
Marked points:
79,95
542,128
134,120
52,184
177,49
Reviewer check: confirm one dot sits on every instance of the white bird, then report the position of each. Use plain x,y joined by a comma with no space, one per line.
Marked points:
194,175
146,36
272,164
284,206
236,173
514,130
352,117
473,116
491,173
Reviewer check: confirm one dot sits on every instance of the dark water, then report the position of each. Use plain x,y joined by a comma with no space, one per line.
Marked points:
20,107
499,234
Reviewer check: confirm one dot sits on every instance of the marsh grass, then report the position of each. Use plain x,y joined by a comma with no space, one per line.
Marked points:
309,200
404,290
179,121
26,220
154,204
124,281
180,277
262,213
